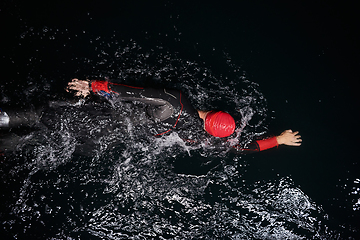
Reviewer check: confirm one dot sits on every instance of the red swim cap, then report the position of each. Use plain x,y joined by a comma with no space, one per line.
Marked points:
219,124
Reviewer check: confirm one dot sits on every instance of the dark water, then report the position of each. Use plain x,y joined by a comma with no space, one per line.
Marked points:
278,65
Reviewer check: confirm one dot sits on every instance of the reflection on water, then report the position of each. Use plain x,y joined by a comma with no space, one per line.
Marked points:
90,174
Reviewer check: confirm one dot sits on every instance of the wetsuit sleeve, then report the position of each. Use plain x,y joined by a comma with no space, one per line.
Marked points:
97,86
100,88
267,143
258,145
106,89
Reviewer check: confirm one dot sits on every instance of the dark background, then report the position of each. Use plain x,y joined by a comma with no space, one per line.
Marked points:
304,55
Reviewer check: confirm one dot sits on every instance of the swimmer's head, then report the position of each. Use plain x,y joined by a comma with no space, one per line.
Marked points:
219,124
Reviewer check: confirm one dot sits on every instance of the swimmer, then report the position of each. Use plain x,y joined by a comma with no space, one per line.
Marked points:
173,110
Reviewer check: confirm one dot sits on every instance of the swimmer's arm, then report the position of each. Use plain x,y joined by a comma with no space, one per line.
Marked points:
287,137
83,88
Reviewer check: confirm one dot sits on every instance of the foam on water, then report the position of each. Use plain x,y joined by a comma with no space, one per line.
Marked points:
356,192
89,175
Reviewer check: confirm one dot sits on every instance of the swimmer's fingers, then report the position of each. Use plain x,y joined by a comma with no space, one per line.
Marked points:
80,86
296,142
297,136
82,92
296,139
73,85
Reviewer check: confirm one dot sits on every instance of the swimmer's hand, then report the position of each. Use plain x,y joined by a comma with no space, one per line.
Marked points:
81,87
289,138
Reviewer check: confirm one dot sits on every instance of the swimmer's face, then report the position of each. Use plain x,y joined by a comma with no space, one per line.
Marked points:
202,115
